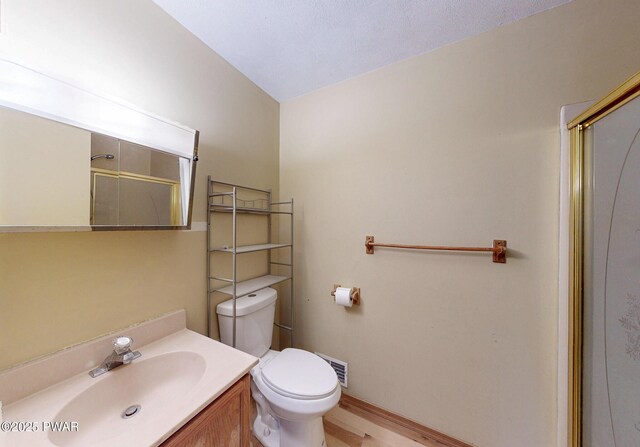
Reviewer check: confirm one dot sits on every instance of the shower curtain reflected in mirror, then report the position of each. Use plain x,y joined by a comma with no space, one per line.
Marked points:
611,280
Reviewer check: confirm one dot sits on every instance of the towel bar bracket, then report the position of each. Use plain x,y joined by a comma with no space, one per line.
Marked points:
368,244
500,251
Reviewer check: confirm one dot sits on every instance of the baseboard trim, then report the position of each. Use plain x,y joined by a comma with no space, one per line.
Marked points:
398,424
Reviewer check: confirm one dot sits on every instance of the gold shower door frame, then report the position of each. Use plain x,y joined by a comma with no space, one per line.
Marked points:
176,200
616,99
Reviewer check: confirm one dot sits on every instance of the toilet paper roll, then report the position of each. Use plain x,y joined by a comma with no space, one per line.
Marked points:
343,296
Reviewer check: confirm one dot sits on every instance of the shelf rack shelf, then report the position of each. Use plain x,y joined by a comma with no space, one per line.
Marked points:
250,248
228,201
253,285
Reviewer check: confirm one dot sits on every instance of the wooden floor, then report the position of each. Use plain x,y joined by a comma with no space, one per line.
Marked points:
345,429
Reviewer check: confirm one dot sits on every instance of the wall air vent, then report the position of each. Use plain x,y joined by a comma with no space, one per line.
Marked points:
341,368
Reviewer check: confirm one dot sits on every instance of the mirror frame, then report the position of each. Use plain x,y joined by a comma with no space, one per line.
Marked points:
628,91
40,94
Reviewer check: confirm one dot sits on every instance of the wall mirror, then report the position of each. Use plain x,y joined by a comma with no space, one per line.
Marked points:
72,160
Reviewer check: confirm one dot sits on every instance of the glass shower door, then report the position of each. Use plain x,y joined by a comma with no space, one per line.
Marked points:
611,280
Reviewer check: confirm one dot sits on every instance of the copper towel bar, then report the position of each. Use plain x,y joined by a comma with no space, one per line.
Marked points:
499,248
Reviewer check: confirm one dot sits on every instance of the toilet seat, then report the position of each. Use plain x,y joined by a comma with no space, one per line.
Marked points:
299,374
295,409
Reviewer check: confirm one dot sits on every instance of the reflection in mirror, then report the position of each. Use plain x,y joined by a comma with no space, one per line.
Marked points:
104,179
44,169
72,159
55,174
135,185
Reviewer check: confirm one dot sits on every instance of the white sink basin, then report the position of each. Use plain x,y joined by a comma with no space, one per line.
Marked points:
155,384
175,378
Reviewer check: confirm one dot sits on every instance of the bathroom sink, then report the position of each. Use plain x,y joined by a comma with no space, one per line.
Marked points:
175,378
155,385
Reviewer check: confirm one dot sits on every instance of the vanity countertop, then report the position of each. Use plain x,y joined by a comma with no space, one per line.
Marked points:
176,377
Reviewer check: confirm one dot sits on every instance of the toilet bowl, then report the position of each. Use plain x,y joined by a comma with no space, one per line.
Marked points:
293,389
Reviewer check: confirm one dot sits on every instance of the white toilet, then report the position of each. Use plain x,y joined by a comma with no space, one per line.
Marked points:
293,388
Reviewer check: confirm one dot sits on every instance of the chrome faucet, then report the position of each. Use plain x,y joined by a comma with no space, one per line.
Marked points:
121,355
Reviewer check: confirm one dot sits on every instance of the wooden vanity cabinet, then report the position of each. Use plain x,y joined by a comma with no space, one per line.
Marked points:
224,423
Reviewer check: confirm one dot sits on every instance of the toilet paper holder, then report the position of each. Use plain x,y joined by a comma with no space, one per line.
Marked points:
355,293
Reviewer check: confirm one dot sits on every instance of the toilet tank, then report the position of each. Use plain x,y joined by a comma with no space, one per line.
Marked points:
254,321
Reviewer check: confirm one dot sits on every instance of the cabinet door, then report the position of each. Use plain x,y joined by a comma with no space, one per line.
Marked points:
224,423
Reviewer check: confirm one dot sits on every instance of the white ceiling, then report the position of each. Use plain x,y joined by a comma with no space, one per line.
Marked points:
291,47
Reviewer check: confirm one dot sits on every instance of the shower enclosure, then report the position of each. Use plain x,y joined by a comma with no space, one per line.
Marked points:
605,272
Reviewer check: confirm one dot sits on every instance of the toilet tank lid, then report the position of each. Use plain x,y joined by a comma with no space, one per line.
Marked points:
248,304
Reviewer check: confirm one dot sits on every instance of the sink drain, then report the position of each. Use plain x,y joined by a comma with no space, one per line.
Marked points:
131,411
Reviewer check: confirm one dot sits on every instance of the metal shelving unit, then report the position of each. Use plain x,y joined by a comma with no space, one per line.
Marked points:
228,201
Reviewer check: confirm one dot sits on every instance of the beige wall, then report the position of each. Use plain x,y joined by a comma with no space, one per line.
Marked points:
30,149
58,289
455,147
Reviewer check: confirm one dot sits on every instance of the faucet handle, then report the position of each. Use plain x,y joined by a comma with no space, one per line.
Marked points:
122,344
